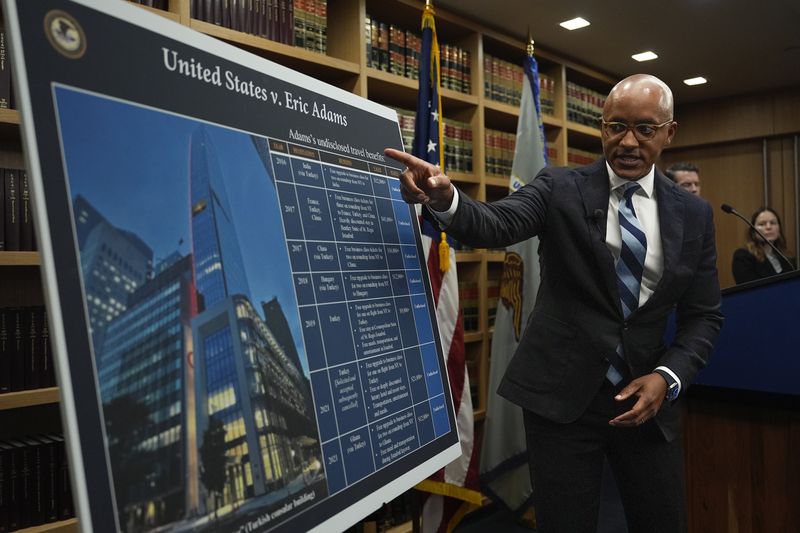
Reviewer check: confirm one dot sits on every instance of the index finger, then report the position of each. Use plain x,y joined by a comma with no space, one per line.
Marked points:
403,157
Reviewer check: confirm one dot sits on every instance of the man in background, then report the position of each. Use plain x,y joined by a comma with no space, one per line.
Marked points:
687,175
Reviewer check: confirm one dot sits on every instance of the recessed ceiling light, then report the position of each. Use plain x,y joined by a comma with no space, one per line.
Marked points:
695,81
575,23
645,56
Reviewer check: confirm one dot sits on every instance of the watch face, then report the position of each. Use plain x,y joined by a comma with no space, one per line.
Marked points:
672,393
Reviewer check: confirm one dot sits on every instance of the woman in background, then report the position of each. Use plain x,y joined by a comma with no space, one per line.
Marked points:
757,260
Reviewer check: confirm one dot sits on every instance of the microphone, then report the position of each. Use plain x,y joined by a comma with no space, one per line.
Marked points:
731,211
597,216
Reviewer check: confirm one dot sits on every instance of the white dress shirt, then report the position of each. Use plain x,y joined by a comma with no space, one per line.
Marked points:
646,207
644,203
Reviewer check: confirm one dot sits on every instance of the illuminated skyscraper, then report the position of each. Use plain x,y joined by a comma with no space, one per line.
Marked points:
245,379
219,268
146,388
114,264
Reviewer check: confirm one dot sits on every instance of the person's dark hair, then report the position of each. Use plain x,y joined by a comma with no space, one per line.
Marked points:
755,242
677,167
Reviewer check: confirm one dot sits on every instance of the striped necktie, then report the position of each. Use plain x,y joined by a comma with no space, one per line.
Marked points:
629,269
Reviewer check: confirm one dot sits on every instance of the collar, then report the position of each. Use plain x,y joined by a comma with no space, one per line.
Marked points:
646,182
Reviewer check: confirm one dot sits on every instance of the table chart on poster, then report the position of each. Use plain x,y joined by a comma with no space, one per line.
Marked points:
375,373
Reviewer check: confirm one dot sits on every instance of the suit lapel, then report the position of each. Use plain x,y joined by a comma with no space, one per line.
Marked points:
594,190
670,220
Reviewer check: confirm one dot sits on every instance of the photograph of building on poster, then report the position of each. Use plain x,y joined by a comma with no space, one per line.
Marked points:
197,342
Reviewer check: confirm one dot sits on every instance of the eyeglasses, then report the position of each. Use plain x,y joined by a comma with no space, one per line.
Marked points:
642,132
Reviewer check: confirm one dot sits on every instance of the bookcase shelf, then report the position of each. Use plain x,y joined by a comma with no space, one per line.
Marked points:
20,258
9,128
464,177
495,256
175,17
64,526
580,129
468,257
496,181
473,336
9,116
28,398
321,66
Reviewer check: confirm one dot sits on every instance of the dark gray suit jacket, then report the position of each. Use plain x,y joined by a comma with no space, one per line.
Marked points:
577,321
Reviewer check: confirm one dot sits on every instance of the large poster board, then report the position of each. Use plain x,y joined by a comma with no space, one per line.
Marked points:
240,311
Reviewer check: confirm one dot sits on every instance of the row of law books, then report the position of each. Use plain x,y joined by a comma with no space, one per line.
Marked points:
34,482
16,214
580,158
457,140
301,23
26,360
500,146
6,89
397,50
584,105
502,82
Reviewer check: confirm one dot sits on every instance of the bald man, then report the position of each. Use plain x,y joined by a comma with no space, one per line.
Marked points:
621,246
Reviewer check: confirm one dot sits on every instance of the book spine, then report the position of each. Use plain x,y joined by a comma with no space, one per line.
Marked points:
2,210
33,366
283,21
5,68
5,352
26,214
49,480
17,349
290,22
13,480
65,507
33,449
4,471
48,369
12,209
23,484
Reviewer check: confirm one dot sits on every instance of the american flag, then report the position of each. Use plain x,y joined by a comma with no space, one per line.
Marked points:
454,489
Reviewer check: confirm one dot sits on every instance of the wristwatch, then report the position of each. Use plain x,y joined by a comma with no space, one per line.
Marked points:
672,386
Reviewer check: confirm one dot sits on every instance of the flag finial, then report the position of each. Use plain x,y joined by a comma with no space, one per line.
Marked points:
530,47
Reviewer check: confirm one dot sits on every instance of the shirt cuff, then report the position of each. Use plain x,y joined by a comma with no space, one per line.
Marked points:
445,217
674,376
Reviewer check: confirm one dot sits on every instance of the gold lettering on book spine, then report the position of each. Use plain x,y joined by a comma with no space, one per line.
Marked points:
511,288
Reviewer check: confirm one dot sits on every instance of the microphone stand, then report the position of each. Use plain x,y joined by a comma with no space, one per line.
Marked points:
730,210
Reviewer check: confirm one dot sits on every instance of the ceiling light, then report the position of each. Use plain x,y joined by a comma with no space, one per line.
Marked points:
575,23
695,81
645,56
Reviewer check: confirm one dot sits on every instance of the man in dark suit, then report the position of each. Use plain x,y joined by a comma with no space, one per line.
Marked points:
621,247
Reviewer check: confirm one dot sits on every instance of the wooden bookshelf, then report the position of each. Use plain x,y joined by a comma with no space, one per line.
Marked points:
9,129
9,116
64,526
28,398
20,259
